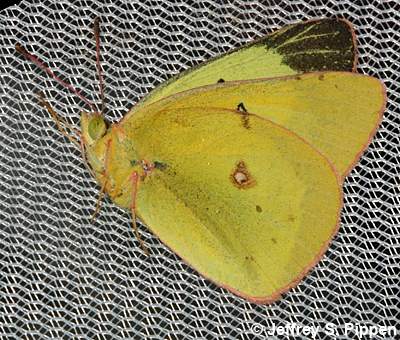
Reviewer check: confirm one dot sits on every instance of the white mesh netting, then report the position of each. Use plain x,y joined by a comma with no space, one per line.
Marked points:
62,276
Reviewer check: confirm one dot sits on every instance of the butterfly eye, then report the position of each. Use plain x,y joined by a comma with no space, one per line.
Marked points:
97,127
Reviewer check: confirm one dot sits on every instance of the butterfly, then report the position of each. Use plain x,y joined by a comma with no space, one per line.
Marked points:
237,164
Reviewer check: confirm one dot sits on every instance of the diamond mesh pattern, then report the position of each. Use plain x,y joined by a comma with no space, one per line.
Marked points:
64,277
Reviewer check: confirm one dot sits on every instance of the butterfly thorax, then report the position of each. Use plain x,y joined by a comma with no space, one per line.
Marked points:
114,161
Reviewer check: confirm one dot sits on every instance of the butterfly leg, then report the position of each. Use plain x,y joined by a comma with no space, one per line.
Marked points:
135,179
104,186
61,123
99,200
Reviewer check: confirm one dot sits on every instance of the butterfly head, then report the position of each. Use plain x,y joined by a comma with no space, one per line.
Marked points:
94,142
93,127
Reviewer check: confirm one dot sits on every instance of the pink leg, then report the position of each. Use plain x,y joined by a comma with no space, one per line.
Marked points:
99,200
104,186
60,123
135,180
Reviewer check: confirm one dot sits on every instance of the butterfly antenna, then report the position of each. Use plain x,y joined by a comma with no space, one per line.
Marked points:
47,69
98,63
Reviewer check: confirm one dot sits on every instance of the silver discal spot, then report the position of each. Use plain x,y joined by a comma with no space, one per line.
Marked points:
241,176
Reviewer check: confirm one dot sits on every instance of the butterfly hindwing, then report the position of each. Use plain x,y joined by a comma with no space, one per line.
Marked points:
249,208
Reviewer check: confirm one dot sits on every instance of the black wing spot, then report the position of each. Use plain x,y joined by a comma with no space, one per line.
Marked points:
241,107
245,115
220,80
249,258
160,165
258,208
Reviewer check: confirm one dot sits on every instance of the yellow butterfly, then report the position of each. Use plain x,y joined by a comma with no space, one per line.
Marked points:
237,164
